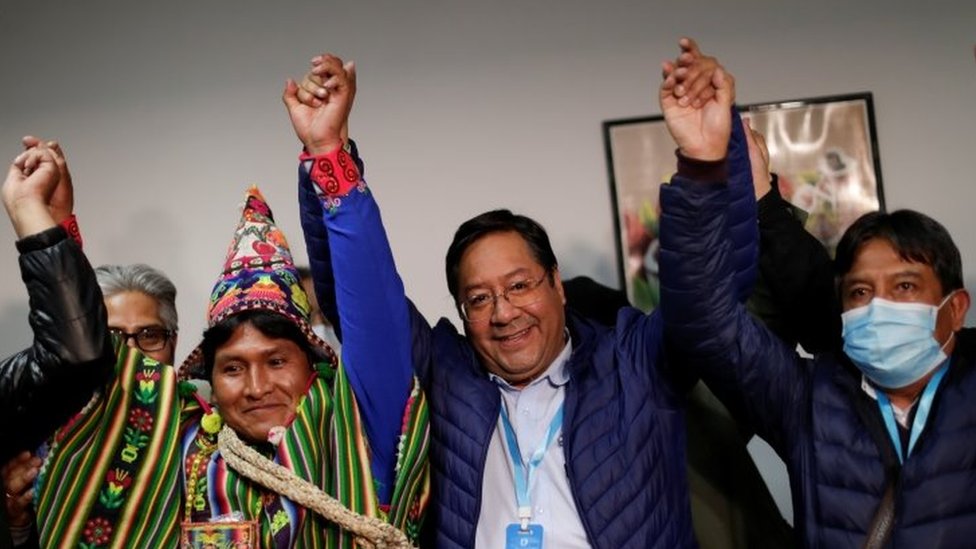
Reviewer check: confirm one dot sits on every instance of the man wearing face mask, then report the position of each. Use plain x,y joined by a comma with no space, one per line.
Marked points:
880,442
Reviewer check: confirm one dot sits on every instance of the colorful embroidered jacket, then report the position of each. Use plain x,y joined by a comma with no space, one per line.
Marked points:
140,459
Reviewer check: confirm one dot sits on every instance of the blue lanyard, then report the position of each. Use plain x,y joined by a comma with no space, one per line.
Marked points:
523,471
922,414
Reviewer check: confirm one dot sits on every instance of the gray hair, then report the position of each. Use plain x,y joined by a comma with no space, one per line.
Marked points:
138,277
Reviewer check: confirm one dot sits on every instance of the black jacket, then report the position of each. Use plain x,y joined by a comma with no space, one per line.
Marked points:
72,354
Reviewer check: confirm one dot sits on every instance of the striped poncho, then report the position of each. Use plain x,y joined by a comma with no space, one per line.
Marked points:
120,473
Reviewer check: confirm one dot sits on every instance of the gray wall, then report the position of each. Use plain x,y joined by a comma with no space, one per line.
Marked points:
167,111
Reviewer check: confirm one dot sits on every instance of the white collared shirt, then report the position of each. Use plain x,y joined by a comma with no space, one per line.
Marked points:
530,410
901,415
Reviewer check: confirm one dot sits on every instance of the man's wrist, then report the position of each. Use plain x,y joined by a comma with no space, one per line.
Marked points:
319,149
704,155
29,218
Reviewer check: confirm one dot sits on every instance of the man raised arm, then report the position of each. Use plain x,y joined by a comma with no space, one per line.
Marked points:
43,385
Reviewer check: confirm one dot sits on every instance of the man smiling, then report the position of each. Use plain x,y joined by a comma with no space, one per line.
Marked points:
520,329
547,429
278,456
257,380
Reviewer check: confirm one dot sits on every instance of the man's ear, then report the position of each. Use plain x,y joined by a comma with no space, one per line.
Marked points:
557,282
959,305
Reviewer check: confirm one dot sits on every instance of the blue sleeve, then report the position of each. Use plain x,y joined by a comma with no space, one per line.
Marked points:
742,223
707,326
317,243
372,313
317,246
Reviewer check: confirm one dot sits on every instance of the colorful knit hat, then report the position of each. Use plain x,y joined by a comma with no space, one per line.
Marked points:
259,274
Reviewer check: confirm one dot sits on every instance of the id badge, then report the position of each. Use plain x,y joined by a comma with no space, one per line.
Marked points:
517,538
206,535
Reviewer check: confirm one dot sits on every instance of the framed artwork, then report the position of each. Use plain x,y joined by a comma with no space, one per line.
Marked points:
824,150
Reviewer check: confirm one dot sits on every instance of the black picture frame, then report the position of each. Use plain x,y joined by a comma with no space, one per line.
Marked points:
824,149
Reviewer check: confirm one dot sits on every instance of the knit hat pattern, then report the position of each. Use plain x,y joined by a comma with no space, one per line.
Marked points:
259,274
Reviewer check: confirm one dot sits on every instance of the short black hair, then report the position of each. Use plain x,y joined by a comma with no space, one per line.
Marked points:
915,236
272,325
498,221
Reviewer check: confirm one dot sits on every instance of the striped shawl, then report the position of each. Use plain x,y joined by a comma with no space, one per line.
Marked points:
118,474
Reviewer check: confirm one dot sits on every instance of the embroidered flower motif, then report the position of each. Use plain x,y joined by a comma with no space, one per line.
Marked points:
98,531
118,480
119,477
141,420
148,375
147,382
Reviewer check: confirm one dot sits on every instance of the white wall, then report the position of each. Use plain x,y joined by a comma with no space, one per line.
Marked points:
167,112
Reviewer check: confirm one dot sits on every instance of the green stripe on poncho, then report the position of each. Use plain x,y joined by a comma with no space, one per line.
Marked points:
114,476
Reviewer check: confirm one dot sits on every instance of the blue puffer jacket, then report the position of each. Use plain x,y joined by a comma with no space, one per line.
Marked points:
623,432
623,426
814,413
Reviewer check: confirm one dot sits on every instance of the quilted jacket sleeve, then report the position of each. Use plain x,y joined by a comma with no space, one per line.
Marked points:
705,324
743,227
72,353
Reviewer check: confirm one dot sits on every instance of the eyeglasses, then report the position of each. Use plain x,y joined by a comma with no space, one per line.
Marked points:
478,306
147,339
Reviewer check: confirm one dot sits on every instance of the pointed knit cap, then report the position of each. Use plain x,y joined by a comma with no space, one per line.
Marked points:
258,274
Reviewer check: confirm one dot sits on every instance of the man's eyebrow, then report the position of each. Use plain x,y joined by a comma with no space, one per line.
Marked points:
139,327
483,284
907,273
850,280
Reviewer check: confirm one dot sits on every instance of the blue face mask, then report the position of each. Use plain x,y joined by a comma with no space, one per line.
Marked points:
893,343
